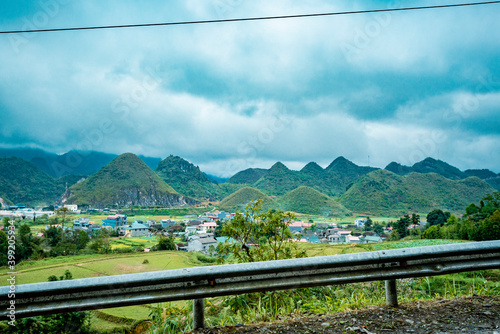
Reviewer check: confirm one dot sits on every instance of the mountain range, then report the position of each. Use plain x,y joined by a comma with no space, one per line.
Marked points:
71,163
338,189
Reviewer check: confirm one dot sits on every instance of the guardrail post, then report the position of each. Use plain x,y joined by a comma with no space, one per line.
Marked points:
198,313
391,293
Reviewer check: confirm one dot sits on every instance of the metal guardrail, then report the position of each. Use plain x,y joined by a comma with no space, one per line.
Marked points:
202,282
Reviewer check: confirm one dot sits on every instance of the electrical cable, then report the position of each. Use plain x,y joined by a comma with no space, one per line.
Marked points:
249,18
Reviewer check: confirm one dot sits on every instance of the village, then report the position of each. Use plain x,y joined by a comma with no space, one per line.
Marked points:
200,233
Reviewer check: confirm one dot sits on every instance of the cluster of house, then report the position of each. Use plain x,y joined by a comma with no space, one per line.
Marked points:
20,211
24,213
119,223
329,233
199,230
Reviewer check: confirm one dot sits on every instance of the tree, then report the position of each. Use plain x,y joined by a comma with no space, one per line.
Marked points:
53,236
26,245
82,239
433,232
259,236
368,224
63,212
401,225
437,217
490,227
472,209
415,219
394,236
377,228
166,243
452,220
493,200
4,245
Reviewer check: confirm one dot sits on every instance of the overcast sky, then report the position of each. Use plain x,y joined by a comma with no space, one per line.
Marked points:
373,88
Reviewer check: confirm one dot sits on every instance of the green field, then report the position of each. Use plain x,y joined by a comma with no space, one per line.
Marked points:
83,266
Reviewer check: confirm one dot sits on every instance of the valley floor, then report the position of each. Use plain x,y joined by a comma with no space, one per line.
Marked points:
473,314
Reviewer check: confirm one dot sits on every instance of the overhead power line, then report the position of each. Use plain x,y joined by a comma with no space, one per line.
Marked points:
262,18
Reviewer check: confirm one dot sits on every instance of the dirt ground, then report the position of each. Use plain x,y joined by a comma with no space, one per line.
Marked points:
476,314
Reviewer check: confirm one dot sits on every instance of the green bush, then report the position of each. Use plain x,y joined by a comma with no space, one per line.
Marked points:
205,259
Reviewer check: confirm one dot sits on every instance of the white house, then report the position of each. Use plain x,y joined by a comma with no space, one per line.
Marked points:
360,222
339,236
137,230
72,207
207,227
191,230
201,244
349,239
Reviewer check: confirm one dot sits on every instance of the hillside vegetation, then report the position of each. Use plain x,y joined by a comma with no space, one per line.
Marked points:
383,192
307,200
70,163
278,180
23,182
127,180
238,200
187,179
248,176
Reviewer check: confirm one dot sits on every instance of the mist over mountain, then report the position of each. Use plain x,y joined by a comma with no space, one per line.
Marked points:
70,163
23,182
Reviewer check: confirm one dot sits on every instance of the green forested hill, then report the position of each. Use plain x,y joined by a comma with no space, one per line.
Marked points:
248,176
187,179
314,176
70,163
399,169
430,165
238,200
494,182
384,193
23,182
126,180
345,173
483,174
307,200
279,180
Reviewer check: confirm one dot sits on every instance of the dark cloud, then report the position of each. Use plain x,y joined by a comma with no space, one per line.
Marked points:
398,86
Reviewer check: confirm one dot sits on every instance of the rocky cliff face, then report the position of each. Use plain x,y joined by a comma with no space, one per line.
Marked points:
3,203
135,197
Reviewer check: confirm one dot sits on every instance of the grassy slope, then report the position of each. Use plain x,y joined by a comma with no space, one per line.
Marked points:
127,171
310,201
385,193
239,199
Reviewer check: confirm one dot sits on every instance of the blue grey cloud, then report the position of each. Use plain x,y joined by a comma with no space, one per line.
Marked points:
394,86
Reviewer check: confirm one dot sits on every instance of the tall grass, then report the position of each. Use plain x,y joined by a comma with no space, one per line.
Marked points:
270,306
